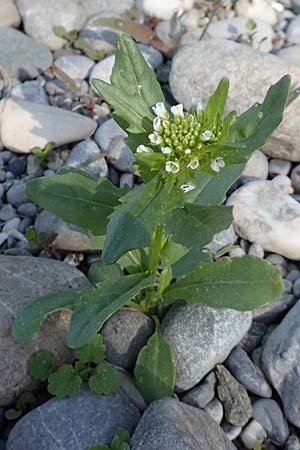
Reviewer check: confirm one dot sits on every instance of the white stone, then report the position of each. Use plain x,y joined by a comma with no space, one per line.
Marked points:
257,9
257,166
77,67
165,9
293,31
234,28
93,7
264,215
9,15
24,125
253,434
291,54
40,16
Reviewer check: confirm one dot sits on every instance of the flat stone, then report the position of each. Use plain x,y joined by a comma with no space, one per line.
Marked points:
236,402
9,14
23,279
68,236
40,16
200,396
236,27
257,166
87,156
41,124
201,337
61,424
265,215
281,363
31,91
76,67
171,425
124,334
244,67
243,369
21,56
269,415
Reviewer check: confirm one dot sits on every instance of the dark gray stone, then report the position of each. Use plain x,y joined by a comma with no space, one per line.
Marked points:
27,209
171,425
243,369
269,415
16,195
293,443
21,56
7,212
2,444
236,402
281,364
274,311
203,394
74,423
18,166
254,336
200,337
124,334
87,156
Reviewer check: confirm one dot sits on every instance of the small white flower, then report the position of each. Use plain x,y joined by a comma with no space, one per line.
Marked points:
187,187
155,139
194,164
172,167
160,110
207,135
166,150
197,105
177,110
143,149
217,164
156,123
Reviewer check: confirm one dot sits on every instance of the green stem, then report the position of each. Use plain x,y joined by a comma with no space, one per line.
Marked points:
155,249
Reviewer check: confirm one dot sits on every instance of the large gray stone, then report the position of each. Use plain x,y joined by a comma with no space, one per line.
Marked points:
196,74
171,425
21,56
40,16
74,423
22,279
200,337
280,359
9,14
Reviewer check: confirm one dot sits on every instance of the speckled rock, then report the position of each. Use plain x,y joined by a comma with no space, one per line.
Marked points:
22,279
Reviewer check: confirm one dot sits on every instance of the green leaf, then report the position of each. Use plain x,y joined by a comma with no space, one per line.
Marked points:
196,225
12,414
106,381
99,271
60,31
92,352
25,400
64,382
216,105
80,43
41,364
242,283
154,370
99,447
99,304
76,198
188,262
133,89
132,225
123,435
171,253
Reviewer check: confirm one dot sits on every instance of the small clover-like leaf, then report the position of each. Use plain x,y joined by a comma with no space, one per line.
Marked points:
121,440
99,447
93,351
105,381
60,31
41,364
64,382
24,400
12,414
82,370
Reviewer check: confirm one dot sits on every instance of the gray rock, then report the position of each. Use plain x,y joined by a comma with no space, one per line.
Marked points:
100,38
256,9
254,336
124,334
295,177
22,57
281,364
40,16
68,236
274,311
293,442
110,138
253,434
9,14
171,425
231,431
236,402
22,279
215,410
7,212
295,6
87,156
279,167
202,395
31,91
257,166
12,224
243,369
223,239
236,27
293,31
195,74
16,195
77,67
200,337
256,250
61,424
269,415
290,54
126,179
296,288
97,6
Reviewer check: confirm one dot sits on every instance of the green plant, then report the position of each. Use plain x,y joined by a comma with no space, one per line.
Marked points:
24,401
155,234
121,441
44,155
65,380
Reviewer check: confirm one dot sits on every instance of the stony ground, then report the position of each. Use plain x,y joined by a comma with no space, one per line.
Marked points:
238,374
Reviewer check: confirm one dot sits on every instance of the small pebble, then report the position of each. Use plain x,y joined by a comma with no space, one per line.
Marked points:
253,434
296,288
293,275
256,250
28,210
215,410
279,167
231,431
7,212
12,224
200,396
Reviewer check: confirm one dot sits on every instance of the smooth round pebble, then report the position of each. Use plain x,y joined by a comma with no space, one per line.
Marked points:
7,212
253,434
215,410
279,167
